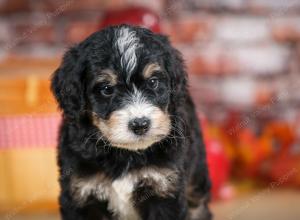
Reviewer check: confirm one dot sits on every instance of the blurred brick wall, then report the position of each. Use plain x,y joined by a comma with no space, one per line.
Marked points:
239,53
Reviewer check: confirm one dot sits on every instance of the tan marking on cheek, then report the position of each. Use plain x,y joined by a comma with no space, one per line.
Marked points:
106,126
162,120
101,124
108,75
112,123
150,69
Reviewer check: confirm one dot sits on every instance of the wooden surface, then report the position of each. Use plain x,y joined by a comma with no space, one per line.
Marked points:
25,86
28,179
16,68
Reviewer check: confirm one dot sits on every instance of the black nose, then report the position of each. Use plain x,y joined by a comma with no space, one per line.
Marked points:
139,126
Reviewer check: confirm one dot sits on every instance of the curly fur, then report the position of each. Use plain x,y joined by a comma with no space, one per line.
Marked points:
167,179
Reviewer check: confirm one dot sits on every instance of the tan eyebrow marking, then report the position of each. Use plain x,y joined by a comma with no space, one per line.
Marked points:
150,69
107,75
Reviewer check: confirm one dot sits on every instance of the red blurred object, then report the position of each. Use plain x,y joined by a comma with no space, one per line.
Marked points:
134,16
285,166
217,159
285,170
218,164
251,152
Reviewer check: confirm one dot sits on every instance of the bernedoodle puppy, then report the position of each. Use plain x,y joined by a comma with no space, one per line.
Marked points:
130,146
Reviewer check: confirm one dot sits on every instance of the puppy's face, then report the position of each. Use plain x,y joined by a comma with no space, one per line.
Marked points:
131,113
127,86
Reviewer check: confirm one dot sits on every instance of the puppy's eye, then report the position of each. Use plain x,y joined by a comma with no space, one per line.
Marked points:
153,82
107,90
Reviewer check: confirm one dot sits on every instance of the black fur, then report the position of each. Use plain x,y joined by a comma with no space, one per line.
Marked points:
82,154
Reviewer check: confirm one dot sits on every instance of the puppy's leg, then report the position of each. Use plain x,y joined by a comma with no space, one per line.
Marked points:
198,192
199,210
157,208
94,211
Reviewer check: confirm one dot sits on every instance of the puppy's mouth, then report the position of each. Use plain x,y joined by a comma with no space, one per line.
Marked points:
137,145
126,145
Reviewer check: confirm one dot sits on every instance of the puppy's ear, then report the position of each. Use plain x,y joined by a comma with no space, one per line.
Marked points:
67,84
176,69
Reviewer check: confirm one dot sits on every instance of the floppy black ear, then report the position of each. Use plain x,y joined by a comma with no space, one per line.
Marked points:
67,84
176,69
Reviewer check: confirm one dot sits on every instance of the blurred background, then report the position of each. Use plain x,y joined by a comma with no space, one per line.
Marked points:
243,60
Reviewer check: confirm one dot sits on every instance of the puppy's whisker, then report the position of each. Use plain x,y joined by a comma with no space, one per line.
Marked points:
89,137
179,118
106,144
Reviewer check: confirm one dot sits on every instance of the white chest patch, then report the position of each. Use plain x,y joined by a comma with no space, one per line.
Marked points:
118,193
120,200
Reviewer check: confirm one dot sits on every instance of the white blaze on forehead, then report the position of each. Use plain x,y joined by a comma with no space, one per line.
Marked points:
137,97
127,42
137,105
